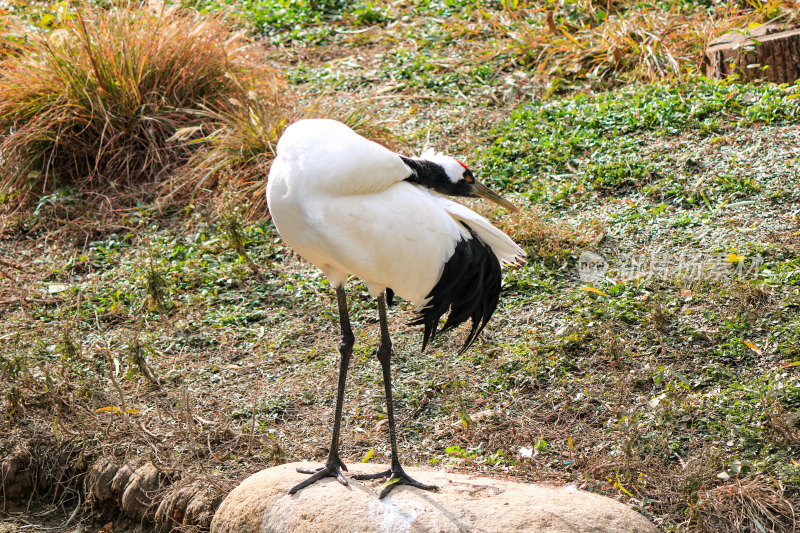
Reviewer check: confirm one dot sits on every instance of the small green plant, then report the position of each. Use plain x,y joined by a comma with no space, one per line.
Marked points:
478,455
138,351
13,401
231,218
70,350
367,13
155,285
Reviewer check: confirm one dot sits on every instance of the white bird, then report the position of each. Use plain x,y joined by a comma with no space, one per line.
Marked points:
353,207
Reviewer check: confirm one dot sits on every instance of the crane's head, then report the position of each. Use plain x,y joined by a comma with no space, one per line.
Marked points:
448,175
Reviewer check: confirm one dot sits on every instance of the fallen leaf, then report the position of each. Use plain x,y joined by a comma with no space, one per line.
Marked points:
115,409
753,347
685,293
733,258
367,457
592,289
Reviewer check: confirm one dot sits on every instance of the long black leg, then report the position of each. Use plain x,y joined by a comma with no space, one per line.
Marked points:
396,474
334,466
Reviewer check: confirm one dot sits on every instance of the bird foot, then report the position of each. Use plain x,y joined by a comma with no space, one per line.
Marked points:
396,477
333,468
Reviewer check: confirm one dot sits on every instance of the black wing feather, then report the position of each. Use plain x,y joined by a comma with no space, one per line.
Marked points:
469,288
389,297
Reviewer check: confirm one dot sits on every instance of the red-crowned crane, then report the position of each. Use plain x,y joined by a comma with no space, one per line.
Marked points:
353,207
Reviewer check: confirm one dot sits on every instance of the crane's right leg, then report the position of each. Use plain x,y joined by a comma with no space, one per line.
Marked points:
396,474
334,466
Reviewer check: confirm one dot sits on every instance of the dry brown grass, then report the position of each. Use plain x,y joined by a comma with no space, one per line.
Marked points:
747,505
96,104
546,240
123,108
617,42
242,145
239,146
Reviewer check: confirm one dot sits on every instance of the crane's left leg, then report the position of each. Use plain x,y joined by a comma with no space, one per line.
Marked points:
334,466
396,474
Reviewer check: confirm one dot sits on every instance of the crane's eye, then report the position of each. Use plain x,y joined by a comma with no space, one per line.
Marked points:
468,178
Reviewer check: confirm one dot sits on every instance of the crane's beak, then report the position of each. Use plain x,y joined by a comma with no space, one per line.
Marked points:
485,192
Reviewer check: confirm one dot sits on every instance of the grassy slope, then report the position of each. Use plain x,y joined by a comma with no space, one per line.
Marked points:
676,393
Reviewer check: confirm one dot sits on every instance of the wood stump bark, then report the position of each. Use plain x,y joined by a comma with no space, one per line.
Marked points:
770,52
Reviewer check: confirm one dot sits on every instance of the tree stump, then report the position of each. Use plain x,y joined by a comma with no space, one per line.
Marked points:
770,51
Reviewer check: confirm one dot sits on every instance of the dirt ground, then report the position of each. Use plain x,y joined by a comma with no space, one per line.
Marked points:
117,395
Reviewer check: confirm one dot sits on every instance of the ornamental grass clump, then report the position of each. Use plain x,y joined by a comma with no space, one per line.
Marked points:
95,105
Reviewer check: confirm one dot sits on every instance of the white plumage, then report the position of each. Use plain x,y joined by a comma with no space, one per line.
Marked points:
341,202
352,207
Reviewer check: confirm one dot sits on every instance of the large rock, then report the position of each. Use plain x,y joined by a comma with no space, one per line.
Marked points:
260,504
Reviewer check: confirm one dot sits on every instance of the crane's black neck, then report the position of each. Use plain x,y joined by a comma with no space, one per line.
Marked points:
433,176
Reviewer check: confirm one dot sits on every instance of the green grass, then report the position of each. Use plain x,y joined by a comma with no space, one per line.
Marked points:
295,21
599,140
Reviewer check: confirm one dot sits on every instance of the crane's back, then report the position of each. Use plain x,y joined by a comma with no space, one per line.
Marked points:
329,156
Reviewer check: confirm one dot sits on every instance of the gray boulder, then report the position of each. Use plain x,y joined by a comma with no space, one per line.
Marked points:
464,503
